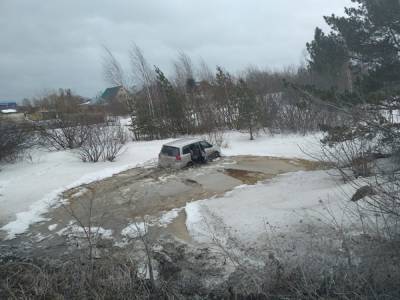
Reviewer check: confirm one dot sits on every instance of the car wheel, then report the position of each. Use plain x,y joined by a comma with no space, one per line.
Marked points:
189,164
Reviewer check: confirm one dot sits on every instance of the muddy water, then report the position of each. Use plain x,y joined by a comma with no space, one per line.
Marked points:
245,176
178,229
117,201
244,170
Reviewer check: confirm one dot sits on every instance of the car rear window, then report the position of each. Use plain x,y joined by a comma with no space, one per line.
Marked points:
170,151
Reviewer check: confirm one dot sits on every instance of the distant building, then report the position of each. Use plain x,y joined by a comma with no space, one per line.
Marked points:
115,100
8,107
114,94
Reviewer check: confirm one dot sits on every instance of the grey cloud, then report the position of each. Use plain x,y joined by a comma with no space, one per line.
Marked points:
54,43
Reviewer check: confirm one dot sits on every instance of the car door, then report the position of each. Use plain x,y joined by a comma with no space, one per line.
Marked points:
195,151
186,154
208,148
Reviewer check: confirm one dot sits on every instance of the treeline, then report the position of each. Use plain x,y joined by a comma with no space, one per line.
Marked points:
62,120
196,99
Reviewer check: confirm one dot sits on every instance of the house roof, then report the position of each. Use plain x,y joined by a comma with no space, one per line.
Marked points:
8,104
111,92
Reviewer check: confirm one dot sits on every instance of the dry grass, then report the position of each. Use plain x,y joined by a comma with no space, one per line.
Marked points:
311,266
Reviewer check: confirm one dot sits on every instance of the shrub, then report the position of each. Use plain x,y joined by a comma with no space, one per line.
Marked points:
69,131
113,139
102,143
15,138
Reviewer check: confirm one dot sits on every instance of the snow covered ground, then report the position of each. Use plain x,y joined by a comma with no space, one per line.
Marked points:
287,146
288,200
29,187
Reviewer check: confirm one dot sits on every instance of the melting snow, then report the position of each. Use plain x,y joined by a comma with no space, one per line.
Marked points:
249,211
169,216
52,227
37,184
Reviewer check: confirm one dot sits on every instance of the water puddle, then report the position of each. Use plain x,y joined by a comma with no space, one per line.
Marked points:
247,177
178,227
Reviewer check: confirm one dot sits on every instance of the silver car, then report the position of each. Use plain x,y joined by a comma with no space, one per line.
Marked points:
185,152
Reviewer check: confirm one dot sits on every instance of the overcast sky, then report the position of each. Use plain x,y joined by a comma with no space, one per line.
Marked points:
49,44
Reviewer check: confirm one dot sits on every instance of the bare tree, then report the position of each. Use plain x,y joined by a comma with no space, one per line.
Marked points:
204,72
86,224
112,69
143,74
183,70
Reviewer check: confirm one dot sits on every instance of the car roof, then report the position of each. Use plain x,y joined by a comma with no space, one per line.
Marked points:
183,142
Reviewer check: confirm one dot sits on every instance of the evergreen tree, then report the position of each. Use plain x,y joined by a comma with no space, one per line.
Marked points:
174,104
370,34
328,60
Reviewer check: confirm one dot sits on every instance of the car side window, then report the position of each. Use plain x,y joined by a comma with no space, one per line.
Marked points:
205,144
186,150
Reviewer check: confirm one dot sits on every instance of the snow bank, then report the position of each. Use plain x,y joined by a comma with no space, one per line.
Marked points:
78,231
9,111
29,188
287,200
169,216
52,227
287,146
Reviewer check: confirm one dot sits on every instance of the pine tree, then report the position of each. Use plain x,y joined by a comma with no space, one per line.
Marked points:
174,104
328,60
225,99
370,34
